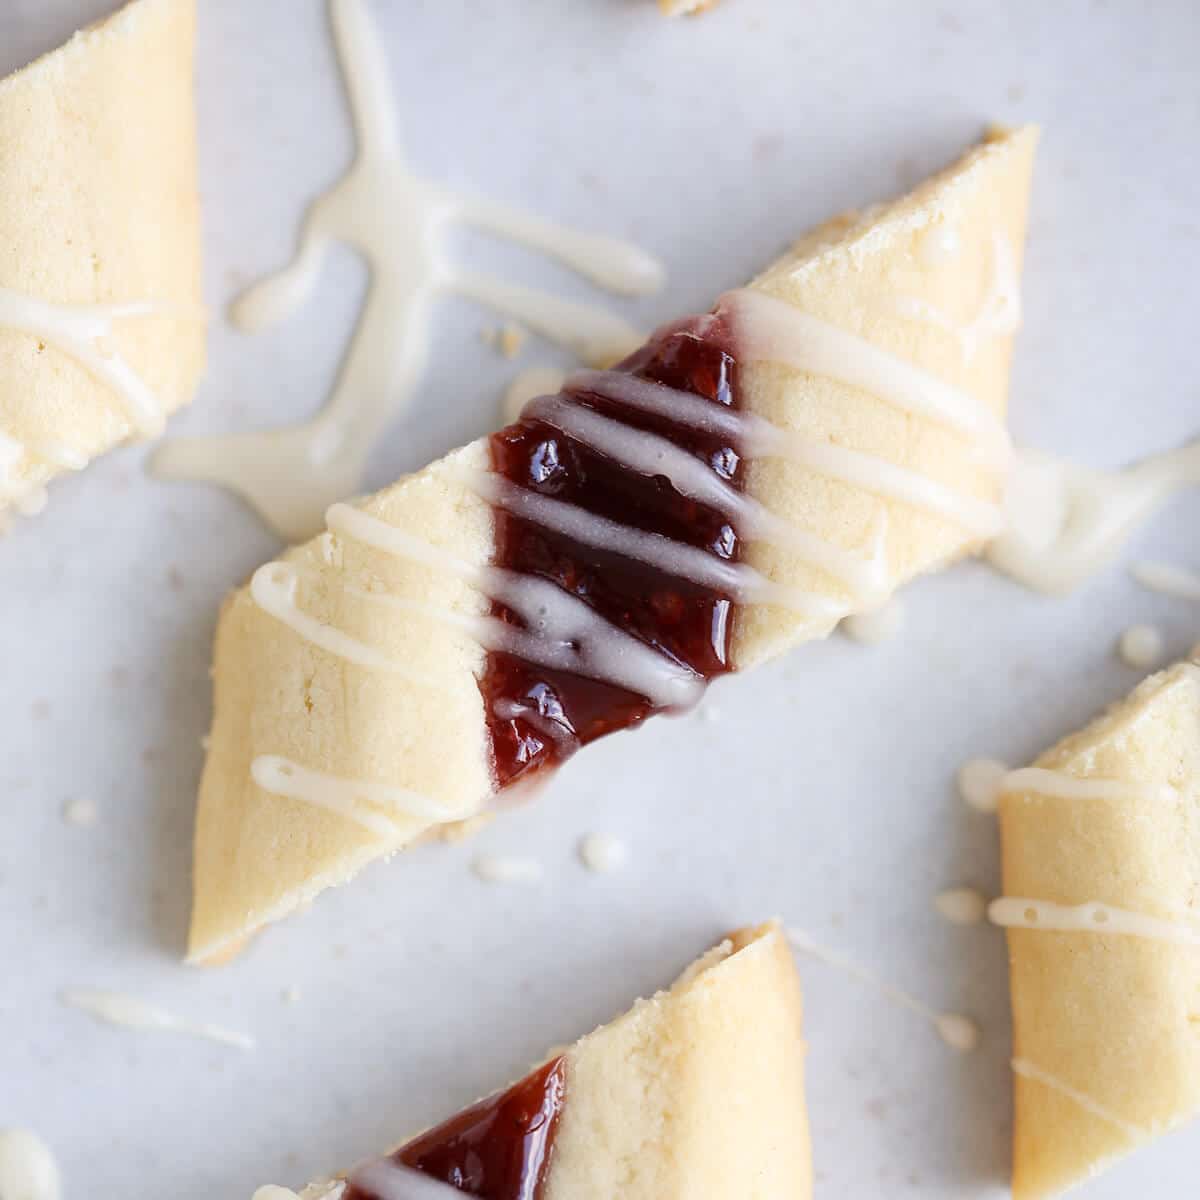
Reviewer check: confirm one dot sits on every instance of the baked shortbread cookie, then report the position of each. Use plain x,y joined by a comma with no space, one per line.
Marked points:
698,1091
1102,900
734,488
101,326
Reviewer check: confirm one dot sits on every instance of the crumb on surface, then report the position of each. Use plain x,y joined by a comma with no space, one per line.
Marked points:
685,8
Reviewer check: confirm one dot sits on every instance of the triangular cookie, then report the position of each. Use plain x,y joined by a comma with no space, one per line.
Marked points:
698,1091
1102,899
736,487
101,326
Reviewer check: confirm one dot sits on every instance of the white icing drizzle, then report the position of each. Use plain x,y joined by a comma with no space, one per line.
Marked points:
84,332
502,868
526,386
392,1181
961,906
1029,1070
1179,582
28,1169
603,853
999,312
393,218
1017,912
649,454
760,438
1068,522
875,624
1062,786
773,330
374,806
738,580
980,782
274,586
561,631
958,1032
128,1012
272,1191
1141,646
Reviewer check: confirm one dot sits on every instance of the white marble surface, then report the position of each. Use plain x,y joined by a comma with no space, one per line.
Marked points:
822,790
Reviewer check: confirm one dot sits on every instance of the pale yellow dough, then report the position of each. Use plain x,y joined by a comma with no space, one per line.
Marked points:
258,856
697,1091
1114,1018
98,205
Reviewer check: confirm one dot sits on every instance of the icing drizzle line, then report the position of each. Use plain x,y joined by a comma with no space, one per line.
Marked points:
84,333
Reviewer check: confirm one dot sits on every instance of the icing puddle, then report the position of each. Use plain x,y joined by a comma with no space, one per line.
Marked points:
393,218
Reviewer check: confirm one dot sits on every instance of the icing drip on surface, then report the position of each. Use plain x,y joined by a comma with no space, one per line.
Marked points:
958,1032
999,312
393,218
374,806
499,868
128,1012
1170,580
499,1148
28,1170
961,906
603,853
1141,647
1029,1070
980,782
1068,522
1016,912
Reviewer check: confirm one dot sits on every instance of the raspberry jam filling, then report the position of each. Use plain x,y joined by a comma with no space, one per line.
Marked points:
498,1149
539,716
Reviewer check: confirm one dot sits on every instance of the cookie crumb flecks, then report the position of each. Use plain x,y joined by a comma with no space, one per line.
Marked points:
685,8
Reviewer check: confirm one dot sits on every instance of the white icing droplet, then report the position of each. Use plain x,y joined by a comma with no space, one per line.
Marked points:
393,218
528,385
876,624
1141,646
497,868
603,853
82,813
128,1012
939,244
958,1032
290,995
1067,522
961,906
28,1170
1179,582
980,782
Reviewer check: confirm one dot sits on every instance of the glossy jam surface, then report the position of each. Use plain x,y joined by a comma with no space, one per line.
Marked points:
498,1149
538,717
